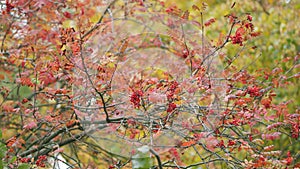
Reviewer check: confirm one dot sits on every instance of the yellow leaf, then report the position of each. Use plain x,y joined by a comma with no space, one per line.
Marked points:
94,19
159,73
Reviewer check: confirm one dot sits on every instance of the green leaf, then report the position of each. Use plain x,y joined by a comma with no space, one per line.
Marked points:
13,159
3,150
1,164
24,166
24,91
139,163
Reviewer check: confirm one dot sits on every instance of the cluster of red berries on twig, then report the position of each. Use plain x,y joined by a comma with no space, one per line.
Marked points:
135,98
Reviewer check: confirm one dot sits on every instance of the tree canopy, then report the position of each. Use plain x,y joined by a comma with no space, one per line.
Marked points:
149,84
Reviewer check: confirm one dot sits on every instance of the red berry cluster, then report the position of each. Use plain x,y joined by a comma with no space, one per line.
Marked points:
24,160
249,18
254,91
171,107
170,96
221,144
171,90
249,26
237,38
135,98
240,34
185,53
40,161
231,143
9,6
289,158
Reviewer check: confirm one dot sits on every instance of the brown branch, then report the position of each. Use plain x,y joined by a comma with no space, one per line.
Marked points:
157,158
45,141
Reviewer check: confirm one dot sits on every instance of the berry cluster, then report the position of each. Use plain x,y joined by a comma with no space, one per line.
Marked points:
171,107
254,91
135,98
40,161
170,96
238,37
171,90
24,160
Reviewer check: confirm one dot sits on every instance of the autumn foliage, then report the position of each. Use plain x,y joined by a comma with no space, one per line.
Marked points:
139,84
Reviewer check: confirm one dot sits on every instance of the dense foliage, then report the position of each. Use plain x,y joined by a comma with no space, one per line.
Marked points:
149,84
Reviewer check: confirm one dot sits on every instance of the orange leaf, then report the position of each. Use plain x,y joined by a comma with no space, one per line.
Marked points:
124,46
11,141
186,15
2,77
71,123
188,143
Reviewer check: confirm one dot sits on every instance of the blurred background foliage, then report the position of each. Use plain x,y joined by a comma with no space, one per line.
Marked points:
279,24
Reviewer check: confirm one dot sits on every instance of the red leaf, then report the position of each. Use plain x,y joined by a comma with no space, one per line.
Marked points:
25,81
266,102
271,136
210,21
274,125
47,78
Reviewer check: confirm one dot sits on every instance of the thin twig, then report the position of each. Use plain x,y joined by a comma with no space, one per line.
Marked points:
96,26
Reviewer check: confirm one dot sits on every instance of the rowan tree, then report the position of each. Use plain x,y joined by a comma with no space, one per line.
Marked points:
121,84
